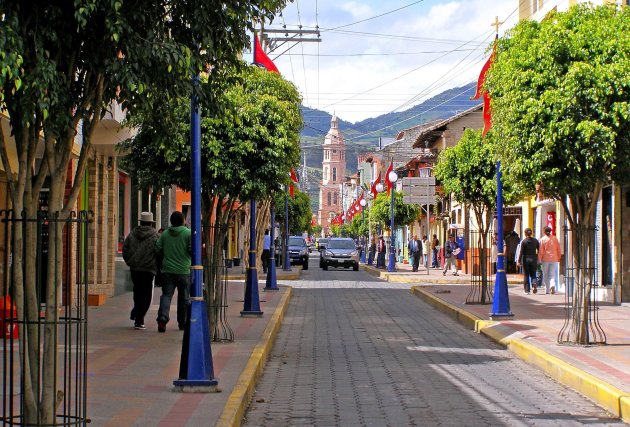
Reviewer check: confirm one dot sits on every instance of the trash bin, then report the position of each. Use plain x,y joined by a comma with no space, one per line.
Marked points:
228,263
236,261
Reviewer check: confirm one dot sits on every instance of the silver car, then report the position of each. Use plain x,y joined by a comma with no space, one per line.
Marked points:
340,252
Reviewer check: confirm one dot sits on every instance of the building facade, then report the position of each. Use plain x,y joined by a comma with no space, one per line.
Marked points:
331,190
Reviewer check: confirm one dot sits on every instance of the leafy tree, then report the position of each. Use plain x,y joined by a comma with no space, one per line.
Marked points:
62,66
300,213
404,214
250,141
468,172
560,98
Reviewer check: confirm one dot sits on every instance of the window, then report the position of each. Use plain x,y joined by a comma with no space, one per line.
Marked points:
336,199
325,173
334,174
328,199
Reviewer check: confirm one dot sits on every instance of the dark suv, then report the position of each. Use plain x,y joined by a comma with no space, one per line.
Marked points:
298,251
340,252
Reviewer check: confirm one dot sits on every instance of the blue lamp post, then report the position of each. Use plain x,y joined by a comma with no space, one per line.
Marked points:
251,305
196,371
286,265
391,267
501,301
272,282
363,202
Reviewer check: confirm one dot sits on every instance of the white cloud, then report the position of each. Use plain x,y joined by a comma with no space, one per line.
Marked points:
337,83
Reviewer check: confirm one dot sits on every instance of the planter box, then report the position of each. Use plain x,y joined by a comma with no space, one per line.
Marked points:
236,261
96,300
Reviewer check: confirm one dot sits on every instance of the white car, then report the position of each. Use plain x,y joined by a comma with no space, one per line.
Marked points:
340,252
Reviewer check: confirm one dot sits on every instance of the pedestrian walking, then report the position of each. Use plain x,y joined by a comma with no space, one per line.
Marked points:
451,249
266,251
139,254
174,247
435,248
549,256
415,249
372,252
528,258
380,259
426,249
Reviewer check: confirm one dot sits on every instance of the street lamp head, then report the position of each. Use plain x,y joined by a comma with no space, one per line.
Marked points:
363,202
379,187
393,177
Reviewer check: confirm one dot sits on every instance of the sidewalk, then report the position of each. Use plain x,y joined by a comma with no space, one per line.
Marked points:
131,373
601,373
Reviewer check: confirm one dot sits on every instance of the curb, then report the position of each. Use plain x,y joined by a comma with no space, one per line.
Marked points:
420,277
291,276
609,397
243,391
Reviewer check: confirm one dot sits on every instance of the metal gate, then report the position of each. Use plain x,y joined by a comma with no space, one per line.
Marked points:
481,277
44,319
581,323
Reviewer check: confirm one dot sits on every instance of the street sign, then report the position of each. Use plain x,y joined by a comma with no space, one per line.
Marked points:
418,181
419,200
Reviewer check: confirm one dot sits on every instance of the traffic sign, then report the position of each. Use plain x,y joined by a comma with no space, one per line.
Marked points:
419,200
418,181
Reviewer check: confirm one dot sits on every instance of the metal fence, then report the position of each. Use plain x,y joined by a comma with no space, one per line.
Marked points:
44,344
481,277
581,325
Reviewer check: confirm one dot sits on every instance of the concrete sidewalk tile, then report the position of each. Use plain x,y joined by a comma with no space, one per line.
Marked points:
243,391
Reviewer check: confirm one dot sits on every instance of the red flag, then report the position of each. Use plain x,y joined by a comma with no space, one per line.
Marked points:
487,113
294,178
261,58
389,183
374,184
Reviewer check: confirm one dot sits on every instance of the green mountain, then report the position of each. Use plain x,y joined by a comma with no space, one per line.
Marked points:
364,136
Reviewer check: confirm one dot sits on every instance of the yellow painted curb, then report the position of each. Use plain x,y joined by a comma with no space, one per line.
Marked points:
467,319
240,397
624,406
611,398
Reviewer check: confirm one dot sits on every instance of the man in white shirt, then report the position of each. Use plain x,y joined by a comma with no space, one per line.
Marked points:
266,251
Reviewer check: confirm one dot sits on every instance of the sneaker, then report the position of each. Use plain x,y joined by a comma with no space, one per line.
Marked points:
526,293
553,290
444,273
455,274
161,326
139,326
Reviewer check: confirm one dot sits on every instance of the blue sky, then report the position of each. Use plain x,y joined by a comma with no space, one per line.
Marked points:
404,52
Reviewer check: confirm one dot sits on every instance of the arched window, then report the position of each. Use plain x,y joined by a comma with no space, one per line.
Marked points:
336,200
334,173
328,199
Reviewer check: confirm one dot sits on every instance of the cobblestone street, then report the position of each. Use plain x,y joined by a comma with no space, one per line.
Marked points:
354,350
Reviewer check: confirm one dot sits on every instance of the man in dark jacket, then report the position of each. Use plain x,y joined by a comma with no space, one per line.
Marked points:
139,255
415,250
528,258
174,247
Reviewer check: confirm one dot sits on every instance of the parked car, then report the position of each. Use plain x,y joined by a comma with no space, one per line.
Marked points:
321,243
298,251
340,252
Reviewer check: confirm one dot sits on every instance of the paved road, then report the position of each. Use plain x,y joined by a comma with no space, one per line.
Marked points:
355,351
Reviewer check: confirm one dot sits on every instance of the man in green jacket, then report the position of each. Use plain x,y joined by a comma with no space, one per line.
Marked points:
174,248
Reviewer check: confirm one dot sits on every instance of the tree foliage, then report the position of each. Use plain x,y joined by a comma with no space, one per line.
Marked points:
62,65
404,214
300,213
249,135
561,108
561,104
